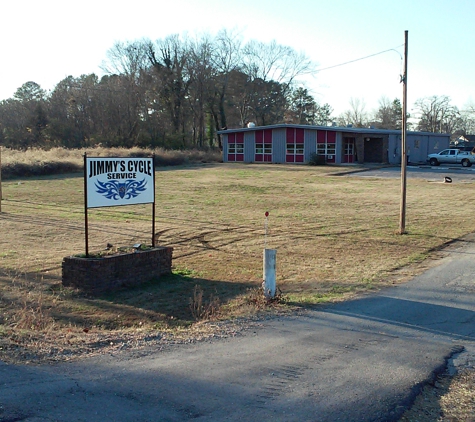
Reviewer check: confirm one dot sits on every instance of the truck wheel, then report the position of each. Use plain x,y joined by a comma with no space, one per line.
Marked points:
466,163
433,162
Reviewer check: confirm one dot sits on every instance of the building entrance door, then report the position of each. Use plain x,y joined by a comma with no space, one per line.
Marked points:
373,150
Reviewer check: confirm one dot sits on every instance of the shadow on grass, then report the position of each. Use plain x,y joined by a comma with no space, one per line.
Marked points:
171,298
169,301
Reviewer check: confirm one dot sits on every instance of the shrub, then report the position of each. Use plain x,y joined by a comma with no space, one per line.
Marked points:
202,309
316,160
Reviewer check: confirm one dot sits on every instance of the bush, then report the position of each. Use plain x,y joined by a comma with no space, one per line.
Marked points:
316,160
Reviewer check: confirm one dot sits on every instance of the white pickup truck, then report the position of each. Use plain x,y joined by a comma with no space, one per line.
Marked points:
452,156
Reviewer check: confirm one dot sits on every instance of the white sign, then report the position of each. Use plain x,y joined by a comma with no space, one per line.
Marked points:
119,181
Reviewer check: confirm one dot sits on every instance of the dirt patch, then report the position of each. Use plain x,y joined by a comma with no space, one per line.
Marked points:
450,397
37,347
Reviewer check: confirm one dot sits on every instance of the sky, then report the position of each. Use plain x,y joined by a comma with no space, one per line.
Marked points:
46,41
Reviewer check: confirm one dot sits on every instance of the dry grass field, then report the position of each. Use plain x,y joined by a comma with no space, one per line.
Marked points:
335,235
37,162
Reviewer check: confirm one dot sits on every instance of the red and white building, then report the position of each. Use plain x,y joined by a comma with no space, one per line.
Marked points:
289,143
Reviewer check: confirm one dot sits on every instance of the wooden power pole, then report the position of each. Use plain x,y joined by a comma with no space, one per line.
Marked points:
0,179
402,217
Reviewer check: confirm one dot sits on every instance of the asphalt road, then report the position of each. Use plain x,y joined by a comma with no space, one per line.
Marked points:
362,360
434,174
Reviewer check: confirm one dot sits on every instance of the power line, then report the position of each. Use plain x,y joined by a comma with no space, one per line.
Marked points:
359,59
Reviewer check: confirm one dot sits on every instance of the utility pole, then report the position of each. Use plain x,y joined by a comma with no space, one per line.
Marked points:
402,217
0,179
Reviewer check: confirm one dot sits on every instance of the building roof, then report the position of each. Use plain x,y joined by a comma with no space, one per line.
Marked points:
363,131
467,138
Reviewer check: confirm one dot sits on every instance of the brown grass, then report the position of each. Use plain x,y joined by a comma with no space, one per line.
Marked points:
202,308
38,162
448,399
335,236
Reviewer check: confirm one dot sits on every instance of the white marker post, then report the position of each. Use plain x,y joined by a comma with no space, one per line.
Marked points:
269,258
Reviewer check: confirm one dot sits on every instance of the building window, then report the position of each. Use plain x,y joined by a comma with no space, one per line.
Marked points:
349,150
263,149
295,146
326,145
294,149
328,149
236,147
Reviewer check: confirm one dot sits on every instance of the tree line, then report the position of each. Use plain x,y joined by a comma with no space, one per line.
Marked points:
430,114
178,92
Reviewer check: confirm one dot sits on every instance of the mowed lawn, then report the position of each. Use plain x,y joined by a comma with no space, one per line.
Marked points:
335,235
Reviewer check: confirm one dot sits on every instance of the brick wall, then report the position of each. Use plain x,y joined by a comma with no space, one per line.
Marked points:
96,275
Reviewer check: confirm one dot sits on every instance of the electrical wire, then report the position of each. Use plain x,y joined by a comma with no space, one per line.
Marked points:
359,59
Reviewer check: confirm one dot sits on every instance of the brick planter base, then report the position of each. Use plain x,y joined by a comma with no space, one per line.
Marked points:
108,273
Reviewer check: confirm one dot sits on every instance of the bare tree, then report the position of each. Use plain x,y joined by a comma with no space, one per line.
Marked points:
356,115
238,100
466,122
174,92
74,110
274,62
436,114
202,74
126,58
227,61
169,59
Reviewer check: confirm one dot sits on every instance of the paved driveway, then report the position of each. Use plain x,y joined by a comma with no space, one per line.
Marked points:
362,360
457,173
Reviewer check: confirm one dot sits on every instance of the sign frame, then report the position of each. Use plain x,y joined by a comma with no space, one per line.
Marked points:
117,181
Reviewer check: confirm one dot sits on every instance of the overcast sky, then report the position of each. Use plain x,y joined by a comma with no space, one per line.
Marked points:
46,41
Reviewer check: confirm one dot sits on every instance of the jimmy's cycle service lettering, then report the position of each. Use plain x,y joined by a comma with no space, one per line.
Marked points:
119,181
120,169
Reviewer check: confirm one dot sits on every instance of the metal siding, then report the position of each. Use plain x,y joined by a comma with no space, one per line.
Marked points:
427,145
437,143
278,145
310,144
338,147
225,148
299,136
249,146
415,155
394,149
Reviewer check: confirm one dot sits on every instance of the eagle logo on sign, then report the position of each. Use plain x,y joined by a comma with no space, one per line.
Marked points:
116,190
